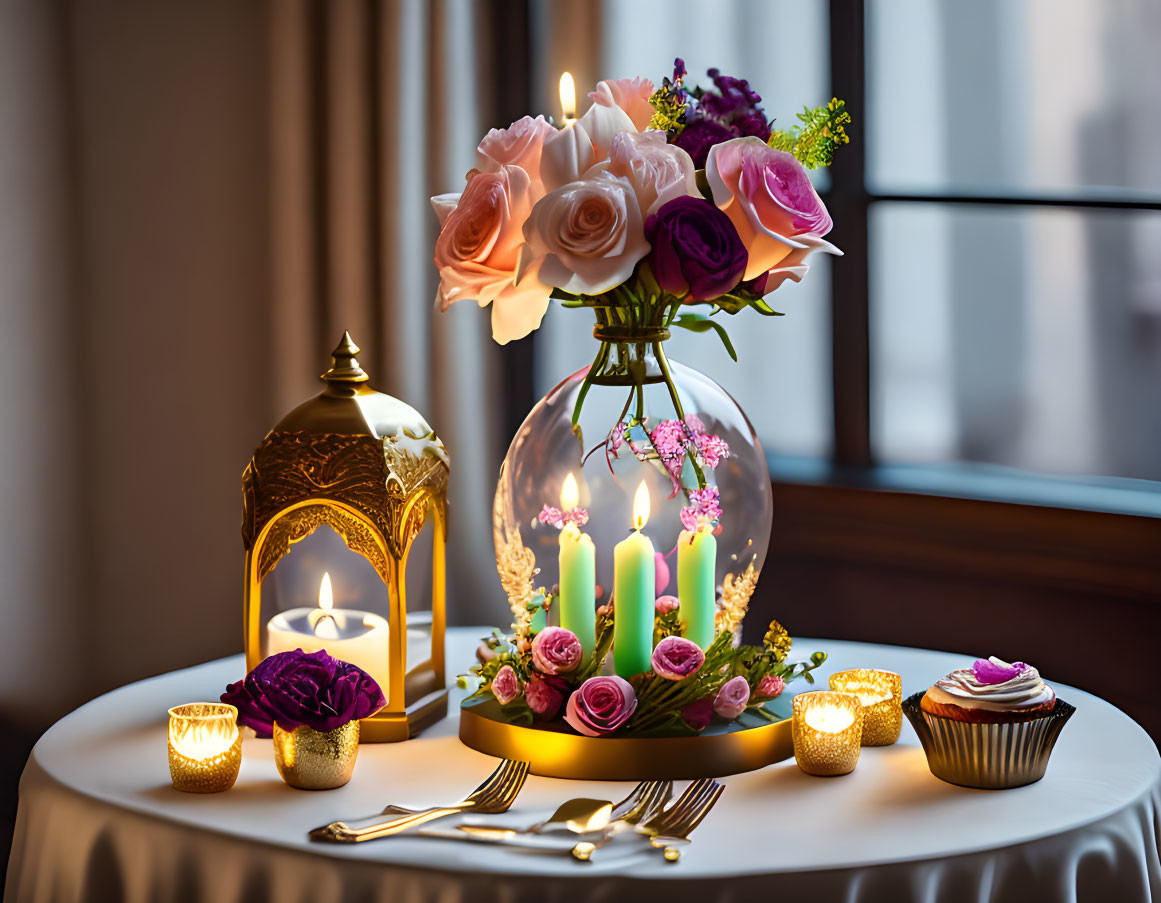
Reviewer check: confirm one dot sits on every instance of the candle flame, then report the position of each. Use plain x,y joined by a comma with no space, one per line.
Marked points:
326,598
569,494
567,96
641,506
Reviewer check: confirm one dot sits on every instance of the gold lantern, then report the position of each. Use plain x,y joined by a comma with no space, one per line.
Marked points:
335,502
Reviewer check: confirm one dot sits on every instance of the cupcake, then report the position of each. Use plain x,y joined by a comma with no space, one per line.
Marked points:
991,726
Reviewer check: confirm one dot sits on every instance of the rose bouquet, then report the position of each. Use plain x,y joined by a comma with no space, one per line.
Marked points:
650,205
545,676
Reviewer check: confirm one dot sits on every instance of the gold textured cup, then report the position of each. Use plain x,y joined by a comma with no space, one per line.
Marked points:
205,747
881,693
827,728
313,760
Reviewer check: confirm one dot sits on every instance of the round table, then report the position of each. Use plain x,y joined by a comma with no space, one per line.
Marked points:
99,821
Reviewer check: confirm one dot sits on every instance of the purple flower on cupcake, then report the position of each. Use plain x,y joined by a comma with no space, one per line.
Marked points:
505,685
545,695
732,698
675,658
292,689
601,705
556,650
696,249
996,671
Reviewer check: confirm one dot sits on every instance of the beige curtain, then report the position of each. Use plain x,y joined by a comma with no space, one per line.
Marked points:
197,198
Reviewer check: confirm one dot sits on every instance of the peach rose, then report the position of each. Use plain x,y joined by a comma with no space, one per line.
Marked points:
767,195
658,171
587,236
631,95
518,145
478,250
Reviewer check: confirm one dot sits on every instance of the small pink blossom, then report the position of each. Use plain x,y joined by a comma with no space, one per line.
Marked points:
704,507
675,658
556,650
732,698
557,518
661,573
505,685
694,423
545,695
771,686
711,449
665,604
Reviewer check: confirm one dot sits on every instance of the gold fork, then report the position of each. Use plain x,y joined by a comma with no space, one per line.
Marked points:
654,796
672,828
492,797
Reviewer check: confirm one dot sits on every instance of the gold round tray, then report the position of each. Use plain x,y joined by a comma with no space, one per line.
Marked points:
555,751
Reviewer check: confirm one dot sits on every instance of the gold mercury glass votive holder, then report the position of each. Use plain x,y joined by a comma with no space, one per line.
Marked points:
205,747
827,728
316,760
881,693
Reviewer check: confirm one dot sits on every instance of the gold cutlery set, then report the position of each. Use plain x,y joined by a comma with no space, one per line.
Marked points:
579,826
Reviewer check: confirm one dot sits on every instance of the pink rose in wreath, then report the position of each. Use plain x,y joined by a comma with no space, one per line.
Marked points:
505,685
545,695
601,705
675,658
556,650
732,698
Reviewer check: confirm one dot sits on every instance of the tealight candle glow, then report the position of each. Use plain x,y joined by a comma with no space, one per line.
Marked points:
881,695
205,747
827,728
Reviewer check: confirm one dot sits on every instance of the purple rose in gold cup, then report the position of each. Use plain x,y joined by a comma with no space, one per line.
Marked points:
556,650
601,705
675,658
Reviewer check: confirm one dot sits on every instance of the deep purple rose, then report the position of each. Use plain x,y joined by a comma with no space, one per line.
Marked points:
699,135
545,695
556,650
675,658
732,698
601,705
505,685
696,249
300,688
699,714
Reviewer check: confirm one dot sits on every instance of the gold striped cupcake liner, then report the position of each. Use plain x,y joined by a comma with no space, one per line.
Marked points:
987,756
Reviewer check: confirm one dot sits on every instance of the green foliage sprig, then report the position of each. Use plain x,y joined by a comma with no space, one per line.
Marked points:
822,132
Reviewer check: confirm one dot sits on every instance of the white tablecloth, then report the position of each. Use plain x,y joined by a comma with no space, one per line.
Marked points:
99,821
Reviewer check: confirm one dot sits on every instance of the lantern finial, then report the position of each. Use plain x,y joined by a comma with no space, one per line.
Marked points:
344,367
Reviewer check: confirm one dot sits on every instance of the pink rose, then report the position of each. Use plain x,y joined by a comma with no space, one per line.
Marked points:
585,237
545,695
665,604
518,145
699,714
556,650
675,658
768,197
660,573
732,698
771,686
478,250
631,95
601,705
505,685
659,172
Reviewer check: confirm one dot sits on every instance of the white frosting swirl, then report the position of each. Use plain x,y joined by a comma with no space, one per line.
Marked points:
963,688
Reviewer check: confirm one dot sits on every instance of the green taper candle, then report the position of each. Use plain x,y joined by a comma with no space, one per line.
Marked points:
697,555
634,586
578,585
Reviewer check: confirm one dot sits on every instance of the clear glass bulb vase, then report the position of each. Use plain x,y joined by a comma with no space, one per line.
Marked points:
632,417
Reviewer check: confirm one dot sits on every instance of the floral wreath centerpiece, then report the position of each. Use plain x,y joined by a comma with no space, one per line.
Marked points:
658,209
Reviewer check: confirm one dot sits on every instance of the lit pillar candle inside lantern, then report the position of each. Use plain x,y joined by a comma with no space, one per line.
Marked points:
578,573
697,554
881,694
567,98
827,729
358,637
634,586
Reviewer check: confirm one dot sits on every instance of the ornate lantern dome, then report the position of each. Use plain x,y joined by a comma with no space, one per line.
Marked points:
351,470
